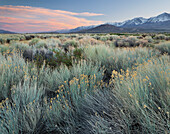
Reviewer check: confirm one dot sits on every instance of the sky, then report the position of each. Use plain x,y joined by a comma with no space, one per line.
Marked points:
51,15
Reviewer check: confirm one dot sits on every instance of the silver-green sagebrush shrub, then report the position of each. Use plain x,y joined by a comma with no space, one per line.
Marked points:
72,43
163,48
145,94
117,59
102,113
64,74
21,47
53,43
34,41
63,112
11,72
23,111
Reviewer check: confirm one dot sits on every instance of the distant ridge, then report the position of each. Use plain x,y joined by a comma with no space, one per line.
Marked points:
164,17
105,28
160,23
5,32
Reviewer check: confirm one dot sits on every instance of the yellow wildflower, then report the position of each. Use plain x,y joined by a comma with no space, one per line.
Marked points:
144,106
144,80
130,94
50,107
147,77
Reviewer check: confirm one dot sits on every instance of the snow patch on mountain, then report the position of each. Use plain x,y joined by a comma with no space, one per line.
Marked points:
160,18
140,20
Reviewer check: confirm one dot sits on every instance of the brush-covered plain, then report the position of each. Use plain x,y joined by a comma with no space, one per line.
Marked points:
84,83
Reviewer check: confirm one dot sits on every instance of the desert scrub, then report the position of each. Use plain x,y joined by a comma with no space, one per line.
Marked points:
67,103
34,41
163,48
12,39
102,113
53,43
145,94
11,73
23,111
62,57
131,41
20,47
160,37
87,40
78,53
2,40
4,49
72,43
13,69
41,44
149,39
117,59
64,74
104,38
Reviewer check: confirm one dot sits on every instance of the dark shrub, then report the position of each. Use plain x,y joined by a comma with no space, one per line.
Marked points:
2,41
62,57
78,53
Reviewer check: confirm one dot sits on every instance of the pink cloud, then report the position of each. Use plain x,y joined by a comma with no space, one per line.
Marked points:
33,19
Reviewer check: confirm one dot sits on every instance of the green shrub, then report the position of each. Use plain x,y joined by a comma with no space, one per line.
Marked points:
145,95
67,102
2,40
53,43
11,73
62,57
102,113
34,41
23,112
160,37
149,39
64,74
72,43
163,48
104,38
4,49
41,44
78,53
127,42
117,59
21,47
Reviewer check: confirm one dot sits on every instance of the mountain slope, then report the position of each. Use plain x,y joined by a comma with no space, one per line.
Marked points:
140,21
81,28
5,32
105,28
160,23
160,18
135,21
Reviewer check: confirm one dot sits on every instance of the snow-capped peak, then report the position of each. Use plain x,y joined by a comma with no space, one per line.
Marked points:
118,24
160,18
140,20
136,21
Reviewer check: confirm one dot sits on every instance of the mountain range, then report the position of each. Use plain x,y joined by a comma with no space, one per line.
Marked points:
5,32
140,21
160,23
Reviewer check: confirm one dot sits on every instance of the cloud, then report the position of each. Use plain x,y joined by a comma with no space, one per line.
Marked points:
33,19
